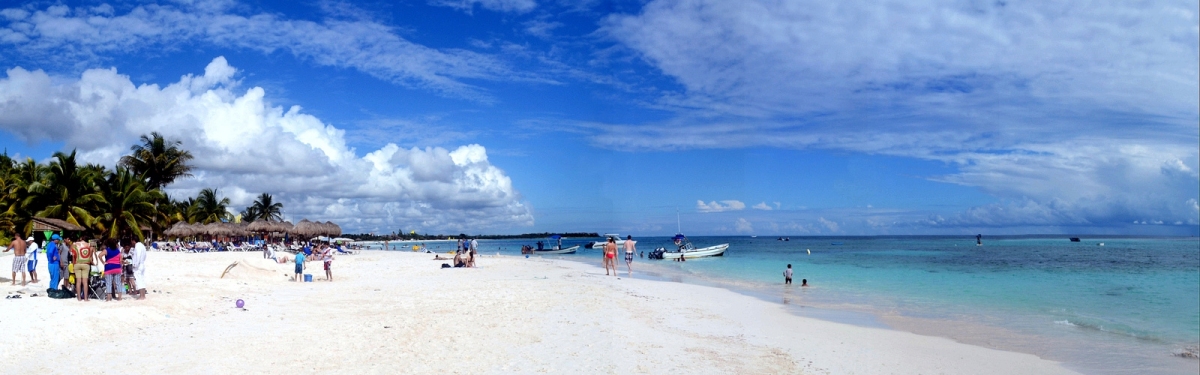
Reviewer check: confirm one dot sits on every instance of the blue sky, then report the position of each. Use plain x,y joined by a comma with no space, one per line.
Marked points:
746,117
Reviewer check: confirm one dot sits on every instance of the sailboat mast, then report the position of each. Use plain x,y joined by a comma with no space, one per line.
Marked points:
678,228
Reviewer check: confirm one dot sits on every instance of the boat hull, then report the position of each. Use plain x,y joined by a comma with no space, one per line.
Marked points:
711,251
569,250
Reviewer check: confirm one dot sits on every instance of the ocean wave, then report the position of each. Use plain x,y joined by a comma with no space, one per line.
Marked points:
1110,329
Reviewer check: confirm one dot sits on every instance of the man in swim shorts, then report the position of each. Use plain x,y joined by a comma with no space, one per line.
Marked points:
630,248
19,264
787,275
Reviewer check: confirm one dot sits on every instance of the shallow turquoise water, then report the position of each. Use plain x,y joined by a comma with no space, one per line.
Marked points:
1119,308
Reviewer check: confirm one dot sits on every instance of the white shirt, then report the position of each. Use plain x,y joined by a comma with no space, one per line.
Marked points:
474,245
139,255
32,253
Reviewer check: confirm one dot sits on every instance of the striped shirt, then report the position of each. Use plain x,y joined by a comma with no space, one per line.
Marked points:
112,261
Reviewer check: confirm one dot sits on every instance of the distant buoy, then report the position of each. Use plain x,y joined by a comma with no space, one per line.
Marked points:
809,251
1101,244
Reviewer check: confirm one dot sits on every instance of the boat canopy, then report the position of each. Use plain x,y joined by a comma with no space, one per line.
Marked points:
679,236
555,236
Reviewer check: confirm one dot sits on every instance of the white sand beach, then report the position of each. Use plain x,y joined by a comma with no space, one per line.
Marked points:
394,312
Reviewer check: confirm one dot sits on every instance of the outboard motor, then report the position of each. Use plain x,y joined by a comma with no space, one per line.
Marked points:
657,253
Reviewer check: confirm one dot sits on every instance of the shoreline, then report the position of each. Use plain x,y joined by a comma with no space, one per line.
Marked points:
962,329
391,310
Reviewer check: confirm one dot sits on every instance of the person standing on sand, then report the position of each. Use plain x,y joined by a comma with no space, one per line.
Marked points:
138,261
630,248
18,247
474,252
787,275
67,264
33,260
52,260
300,266
113,287
82,268
610,256
327,256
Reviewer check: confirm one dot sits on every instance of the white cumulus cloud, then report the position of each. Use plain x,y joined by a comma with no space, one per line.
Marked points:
763,206
245,146
830,224
743,226
722,206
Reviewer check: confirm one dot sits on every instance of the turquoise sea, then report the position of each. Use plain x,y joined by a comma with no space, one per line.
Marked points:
1127,307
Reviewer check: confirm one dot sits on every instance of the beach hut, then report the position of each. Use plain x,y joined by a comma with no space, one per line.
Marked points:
54,225
48,226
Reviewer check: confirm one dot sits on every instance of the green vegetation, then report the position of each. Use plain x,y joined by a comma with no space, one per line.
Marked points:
112,203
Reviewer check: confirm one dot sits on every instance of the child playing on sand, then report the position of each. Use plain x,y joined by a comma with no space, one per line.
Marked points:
300,266
787,275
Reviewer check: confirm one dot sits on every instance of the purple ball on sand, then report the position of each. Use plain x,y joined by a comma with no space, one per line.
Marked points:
240,303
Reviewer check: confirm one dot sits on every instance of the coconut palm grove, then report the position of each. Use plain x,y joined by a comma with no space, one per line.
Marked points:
127,201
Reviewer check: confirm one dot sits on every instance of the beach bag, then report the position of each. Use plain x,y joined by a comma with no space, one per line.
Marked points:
59,293
446,265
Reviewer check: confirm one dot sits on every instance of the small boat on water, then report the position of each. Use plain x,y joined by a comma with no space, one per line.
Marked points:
557,249
687,250
1074,239
600,244
569,250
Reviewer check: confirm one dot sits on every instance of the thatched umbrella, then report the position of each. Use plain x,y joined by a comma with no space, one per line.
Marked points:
302,229
239,229
282,227
180,229
260,226
334,229
212,229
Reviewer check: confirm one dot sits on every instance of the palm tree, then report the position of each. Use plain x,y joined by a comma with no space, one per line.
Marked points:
207,208
70,192
126,206
23,202
158,161
250,214
267,209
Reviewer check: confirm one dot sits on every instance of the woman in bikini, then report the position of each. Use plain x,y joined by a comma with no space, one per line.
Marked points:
610,256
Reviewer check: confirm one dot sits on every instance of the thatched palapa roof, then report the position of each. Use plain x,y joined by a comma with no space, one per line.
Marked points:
45,223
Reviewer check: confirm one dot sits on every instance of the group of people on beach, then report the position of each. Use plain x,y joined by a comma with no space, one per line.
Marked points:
610,255
465,252
77,266
318,250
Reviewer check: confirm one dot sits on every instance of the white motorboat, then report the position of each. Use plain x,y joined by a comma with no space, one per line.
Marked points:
600,244
688,251
569,250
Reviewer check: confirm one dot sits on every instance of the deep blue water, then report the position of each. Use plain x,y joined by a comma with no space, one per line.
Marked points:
1119,308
